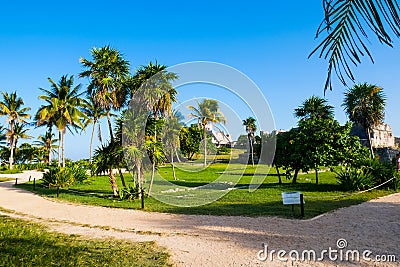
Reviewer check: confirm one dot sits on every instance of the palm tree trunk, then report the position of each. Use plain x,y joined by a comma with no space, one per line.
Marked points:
91,142
11,159
370,143
113,182
121,175
152,177
59,147
252,151
62,148
48,141
140,178
205,145
110,126
49,158
153,170
172,162
177,156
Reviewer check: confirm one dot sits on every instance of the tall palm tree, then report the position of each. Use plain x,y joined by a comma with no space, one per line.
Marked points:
160,95
47,144
107,72
94,114
12,107
345,26
170,137
314,107
207,112
251,128
365,104
64,104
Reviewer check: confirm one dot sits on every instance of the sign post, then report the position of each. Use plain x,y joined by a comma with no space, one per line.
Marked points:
294,198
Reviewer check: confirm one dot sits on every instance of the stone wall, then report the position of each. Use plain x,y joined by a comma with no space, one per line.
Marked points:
381,136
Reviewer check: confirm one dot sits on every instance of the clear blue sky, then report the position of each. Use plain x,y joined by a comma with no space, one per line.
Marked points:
269,41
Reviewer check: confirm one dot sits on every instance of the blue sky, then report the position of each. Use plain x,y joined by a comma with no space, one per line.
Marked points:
269,41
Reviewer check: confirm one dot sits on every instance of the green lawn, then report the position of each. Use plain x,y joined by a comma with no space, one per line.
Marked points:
265,201
27,244
6,179
11,171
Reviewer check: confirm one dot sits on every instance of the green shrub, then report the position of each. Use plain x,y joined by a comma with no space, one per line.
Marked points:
380,172
58,177
64,177
223,151
352,179
130,192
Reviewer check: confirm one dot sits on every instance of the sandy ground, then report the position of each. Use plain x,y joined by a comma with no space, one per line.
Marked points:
195,240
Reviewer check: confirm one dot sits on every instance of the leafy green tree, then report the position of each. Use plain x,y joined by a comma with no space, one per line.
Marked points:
26,153
190,140
242,141
365,104
319,136
251,128
314,107
107,72
64,104
207,112
289,153
12,107
345,29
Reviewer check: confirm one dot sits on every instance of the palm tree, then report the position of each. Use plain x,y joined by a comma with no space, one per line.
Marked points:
159,93
207,112
12,107
251,128
64,104
314,107
106,158
344,26
170,137
107,72
20,132
94,114
365,104
47,144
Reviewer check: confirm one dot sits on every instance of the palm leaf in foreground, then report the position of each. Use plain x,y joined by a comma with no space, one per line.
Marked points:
346,23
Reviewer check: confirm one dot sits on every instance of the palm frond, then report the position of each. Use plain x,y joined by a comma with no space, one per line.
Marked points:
345,25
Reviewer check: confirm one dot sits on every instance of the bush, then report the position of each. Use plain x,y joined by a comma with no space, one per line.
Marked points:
223,150
352,179
64,177
129,192
380,172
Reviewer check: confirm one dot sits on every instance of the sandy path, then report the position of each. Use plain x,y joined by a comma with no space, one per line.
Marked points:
222,240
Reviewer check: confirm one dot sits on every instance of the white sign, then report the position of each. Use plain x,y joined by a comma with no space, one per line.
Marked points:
291,198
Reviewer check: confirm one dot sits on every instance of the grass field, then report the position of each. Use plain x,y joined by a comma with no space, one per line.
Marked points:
265,201
28,244
6,179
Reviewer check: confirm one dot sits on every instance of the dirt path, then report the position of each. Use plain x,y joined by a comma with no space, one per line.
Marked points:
195,240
